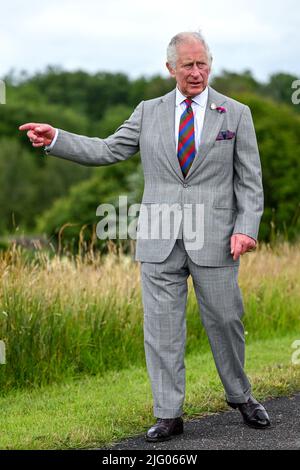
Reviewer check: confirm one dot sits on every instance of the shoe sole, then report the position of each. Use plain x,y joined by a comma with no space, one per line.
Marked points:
253,426
161,439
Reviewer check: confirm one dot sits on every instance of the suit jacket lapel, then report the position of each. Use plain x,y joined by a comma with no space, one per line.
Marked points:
212,124
167,130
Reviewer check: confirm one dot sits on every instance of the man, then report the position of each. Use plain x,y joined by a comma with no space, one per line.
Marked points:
199,152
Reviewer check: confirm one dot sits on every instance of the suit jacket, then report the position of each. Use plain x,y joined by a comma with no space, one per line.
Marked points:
221,195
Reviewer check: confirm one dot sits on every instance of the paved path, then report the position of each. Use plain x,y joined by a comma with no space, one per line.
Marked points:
226,430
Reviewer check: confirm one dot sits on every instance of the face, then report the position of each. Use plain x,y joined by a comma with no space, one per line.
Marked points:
192,68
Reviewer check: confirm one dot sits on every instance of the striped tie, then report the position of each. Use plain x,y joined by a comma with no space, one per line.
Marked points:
186,138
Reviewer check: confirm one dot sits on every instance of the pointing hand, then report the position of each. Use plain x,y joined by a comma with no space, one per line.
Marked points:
39,134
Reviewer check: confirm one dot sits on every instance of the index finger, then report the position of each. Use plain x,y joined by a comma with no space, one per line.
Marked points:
28,126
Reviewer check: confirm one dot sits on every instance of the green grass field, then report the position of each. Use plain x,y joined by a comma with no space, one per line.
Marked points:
96,411
62,317
75,374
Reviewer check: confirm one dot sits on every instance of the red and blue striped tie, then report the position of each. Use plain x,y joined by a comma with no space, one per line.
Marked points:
186,139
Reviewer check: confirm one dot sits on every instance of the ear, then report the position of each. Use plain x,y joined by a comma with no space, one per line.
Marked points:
171,70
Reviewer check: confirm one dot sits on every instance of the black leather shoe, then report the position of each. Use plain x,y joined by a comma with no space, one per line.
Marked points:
165,429
254,414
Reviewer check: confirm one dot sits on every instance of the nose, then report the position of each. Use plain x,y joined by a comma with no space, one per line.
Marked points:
195,71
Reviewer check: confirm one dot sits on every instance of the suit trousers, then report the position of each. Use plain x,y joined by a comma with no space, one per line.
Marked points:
164,295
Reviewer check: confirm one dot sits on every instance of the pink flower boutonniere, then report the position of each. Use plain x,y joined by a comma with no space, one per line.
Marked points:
220,109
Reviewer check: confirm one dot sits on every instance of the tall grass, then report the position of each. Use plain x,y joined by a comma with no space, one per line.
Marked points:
64,316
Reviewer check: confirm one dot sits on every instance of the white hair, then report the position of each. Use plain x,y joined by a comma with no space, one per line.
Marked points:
184,37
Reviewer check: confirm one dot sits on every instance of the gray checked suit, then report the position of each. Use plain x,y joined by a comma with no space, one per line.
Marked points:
224,185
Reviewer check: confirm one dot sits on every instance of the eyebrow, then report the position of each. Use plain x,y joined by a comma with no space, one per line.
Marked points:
189,62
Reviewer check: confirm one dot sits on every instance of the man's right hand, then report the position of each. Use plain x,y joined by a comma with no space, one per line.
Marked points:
39,134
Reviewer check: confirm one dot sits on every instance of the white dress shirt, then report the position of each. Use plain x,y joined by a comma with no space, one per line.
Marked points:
198,105
49,147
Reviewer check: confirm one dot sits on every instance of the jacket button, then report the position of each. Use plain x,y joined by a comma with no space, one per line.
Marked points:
185,185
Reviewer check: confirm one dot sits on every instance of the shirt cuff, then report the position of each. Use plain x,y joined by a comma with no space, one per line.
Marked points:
49,147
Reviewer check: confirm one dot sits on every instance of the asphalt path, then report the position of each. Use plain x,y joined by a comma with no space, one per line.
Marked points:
226,430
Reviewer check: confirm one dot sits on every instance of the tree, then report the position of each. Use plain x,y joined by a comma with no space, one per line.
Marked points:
280,88
277,130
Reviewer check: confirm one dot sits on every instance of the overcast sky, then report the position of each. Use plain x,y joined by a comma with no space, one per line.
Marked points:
131,35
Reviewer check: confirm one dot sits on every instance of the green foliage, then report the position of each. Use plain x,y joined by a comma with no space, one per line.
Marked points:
63,317
17,112
29,185
277,130
88,95
79,206
17,171
95,105
230,83
29,182
279,88
112,119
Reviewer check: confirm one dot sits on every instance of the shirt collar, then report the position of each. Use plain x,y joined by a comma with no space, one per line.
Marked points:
200,99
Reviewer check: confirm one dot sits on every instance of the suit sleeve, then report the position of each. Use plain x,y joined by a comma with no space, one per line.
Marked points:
247,181
93,151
